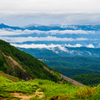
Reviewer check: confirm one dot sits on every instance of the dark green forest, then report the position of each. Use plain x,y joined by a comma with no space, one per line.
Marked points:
87,68
34,67
91,79
72,62
71,66
70,72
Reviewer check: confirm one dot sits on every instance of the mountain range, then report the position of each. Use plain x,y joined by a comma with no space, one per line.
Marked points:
40,77
67,52
70,48
40,36
69,40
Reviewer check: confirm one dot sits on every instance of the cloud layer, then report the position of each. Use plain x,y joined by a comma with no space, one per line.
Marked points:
45,12
51,46
53,38
48,38
49,6
4,32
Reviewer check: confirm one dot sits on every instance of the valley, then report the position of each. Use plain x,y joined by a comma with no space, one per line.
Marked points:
49,62
50,50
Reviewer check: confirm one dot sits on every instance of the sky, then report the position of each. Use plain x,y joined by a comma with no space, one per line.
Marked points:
50,12
46,12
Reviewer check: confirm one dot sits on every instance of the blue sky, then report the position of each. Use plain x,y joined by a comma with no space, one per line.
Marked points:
46,12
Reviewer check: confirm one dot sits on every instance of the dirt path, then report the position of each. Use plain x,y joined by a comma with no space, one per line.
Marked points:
39,94
28,97
73,82
22,96
11,78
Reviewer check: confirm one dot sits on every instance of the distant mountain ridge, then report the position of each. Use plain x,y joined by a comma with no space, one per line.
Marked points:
68,51
52,35
69,40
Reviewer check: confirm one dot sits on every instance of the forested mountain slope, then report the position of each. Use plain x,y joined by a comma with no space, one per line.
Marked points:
24,66
20,64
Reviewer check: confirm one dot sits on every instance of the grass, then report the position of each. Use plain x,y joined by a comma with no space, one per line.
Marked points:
16,79
51,90
21,86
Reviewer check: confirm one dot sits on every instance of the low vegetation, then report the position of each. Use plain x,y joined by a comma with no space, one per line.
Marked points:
47,90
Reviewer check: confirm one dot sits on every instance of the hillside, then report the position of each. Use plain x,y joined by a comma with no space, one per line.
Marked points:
45,90
24,66
18,63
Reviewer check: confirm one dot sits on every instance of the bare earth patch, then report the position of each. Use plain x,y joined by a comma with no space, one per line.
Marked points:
14,63
39,94
28,96
22,96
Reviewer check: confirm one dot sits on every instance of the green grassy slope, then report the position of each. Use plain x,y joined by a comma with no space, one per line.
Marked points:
45,90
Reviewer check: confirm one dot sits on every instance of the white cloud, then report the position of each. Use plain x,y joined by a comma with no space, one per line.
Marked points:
48,38
24,12
49,6
90,46
4,32
69,32
52,47
76,45
40,46
32,45
89,52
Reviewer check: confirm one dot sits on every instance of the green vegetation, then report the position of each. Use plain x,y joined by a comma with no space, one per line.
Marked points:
47,89
91,79
44,86
7,86
95,67
71,66
70,72
32,66
72,62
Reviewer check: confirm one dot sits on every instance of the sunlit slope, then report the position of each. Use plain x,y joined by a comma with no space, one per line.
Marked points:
45,90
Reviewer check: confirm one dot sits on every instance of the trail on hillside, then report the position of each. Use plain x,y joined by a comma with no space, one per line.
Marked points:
73,82
21,95
27,96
